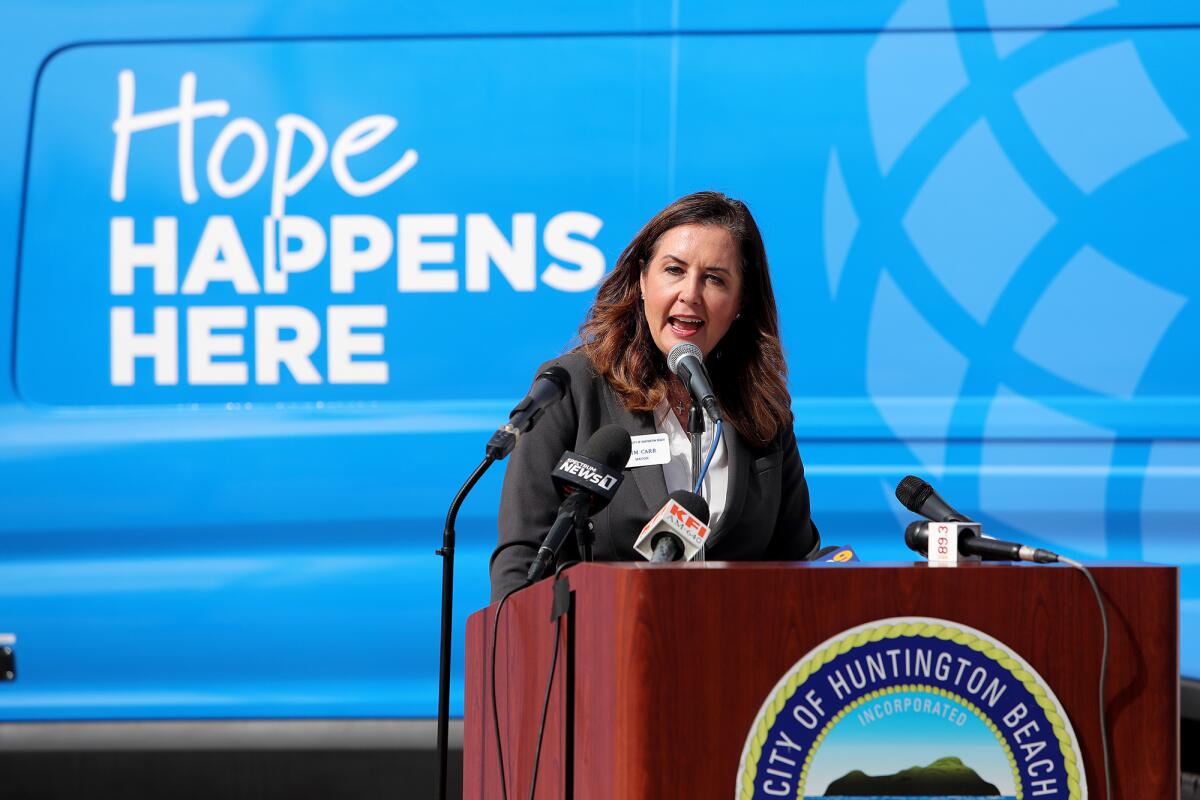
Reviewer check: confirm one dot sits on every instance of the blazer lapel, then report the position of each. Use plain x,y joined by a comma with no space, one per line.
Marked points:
650,481
739,477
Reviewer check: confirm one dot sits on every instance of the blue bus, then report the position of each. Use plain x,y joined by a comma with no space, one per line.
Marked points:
272,274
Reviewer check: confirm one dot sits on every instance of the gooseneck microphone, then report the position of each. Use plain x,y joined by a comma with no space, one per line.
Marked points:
916,536
548,388
586,482
919,497
687,361
677,531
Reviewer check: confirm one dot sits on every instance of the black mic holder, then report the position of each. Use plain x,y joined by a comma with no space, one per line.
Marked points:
572,515
916,536
695,429
973,546
505,438
502,442
585,535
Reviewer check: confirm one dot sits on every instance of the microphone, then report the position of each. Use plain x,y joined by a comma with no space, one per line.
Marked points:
687,361
597,470
834,554
970,543
548,388
919,497
586,482
677,531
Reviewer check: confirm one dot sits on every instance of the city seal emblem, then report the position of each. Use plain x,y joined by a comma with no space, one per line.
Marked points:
914,707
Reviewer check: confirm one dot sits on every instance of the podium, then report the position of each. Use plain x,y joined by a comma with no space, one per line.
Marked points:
662,671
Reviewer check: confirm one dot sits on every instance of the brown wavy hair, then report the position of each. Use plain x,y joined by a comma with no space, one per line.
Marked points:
747,367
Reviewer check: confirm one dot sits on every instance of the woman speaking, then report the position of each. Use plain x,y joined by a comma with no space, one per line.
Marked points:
697,272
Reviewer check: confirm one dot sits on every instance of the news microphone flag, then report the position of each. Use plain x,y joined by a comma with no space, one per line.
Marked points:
837,555
674,519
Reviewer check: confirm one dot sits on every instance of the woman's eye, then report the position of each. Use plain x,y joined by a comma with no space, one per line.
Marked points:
674,269
717,280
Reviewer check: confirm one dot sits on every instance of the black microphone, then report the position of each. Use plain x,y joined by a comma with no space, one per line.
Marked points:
687,361
919,497
970,543
667,548
548,388
587,482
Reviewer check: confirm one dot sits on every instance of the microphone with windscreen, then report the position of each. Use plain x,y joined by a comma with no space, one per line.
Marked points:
548,388
586,482
919,497
596,471
687,361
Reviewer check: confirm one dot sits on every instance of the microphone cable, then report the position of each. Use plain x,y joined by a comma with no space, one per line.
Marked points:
558,625
712,451
1103,667
537,753
495,708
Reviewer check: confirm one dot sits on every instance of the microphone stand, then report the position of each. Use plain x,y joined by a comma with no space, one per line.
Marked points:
695,429
446,551
585,533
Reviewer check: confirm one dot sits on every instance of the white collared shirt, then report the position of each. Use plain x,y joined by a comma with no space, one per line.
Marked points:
678,471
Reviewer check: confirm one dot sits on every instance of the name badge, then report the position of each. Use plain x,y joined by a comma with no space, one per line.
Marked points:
653,448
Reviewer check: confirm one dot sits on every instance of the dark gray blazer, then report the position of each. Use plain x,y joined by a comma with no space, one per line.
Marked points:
766,515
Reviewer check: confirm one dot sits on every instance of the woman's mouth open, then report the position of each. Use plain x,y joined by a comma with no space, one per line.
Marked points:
685,326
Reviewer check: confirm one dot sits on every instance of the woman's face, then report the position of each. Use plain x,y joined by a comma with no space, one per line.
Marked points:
692,287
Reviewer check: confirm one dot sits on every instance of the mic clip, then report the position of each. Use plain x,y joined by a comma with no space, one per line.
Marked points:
585,534
943,539
502,442
950,542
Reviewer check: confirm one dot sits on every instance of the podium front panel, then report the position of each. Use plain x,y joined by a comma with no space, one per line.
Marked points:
663,671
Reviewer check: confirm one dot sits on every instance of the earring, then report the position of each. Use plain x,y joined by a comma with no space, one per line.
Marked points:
739,315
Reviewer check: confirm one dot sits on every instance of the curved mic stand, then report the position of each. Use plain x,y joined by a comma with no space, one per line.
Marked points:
446,551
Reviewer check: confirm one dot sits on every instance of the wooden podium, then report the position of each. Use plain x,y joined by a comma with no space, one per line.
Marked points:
662,670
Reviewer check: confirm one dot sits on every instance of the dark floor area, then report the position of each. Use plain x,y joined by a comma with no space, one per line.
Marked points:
253,775
1189,745
268,775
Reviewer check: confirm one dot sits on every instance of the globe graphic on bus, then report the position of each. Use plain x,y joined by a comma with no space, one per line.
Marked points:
1020,223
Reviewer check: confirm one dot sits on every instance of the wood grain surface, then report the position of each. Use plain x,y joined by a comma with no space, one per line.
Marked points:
670,665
